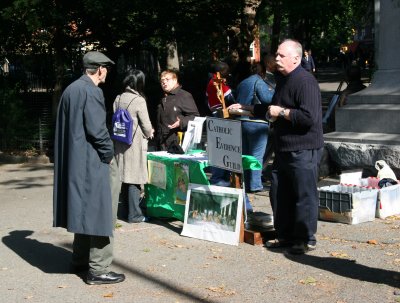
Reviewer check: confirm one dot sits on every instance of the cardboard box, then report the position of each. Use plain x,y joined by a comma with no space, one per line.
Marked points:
336,205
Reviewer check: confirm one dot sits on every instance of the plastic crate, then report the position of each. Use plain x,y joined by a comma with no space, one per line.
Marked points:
388,201
347,207
388,198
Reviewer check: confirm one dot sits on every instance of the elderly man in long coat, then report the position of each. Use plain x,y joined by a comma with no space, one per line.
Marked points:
82,169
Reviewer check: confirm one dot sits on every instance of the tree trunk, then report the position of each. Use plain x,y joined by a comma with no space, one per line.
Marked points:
276,26
59,71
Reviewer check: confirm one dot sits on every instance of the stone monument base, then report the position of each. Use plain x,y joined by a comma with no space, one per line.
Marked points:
349,151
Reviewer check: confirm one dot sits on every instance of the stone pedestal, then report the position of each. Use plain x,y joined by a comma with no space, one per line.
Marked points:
368,128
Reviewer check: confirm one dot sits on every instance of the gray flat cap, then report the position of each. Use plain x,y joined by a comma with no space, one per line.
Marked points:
95,59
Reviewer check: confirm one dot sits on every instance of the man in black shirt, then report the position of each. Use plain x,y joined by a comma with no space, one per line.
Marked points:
296,114
174,112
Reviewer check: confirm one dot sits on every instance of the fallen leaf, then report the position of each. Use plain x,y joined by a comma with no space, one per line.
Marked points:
269,278
62,286
339,254
109,295
206,265
230,292
373,242
222,290
118,225
389,254
395,217
309,281
146,250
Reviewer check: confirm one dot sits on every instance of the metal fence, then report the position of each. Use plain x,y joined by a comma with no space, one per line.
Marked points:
32,78
26,94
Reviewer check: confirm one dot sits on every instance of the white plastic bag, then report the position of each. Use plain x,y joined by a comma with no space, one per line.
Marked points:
384,170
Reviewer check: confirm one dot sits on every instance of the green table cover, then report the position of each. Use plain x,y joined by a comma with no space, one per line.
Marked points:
161,202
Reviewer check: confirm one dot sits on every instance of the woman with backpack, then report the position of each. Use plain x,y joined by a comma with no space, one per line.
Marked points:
132,159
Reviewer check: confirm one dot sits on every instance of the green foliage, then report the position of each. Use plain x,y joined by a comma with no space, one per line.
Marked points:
321,25
198,26
38,25
60,29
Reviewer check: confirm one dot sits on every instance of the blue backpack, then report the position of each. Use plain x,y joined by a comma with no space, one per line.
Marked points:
122,124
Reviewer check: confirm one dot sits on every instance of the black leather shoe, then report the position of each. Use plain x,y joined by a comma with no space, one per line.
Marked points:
108,278
302,248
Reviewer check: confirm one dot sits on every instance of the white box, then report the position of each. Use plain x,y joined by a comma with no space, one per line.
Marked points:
388,201
353,178
344,207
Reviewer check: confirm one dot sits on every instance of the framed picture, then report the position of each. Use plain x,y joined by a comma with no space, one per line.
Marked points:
181,182
157,174
213,213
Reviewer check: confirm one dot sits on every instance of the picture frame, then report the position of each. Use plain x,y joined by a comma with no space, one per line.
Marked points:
213,213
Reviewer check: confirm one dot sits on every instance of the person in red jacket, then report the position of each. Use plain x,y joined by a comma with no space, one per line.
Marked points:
214,102
219,177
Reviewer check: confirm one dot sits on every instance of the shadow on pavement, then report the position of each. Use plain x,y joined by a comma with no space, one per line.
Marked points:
349,269
46,257
31,168
180,290
170,223
21,180
29,182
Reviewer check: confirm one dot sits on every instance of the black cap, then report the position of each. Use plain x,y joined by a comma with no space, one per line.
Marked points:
95,59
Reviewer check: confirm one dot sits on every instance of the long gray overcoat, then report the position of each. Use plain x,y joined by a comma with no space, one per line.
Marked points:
82,152
132,160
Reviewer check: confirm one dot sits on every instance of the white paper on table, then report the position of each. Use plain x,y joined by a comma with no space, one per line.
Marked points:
193,133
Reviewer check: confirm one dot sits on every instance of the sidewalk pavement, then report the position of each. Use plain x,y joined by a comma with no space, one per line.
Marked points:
352,263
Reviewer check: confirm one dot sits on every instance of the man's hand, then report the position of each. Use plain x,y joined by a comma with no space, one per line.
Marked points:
275,110
176,124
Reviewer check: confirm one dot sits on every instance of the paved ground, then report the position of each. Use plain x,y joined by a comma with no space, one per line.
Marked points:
353,263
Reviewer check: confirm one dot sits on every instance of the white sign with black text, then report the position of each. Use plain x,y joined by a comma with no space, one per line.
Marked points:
224,144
